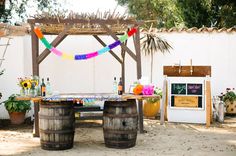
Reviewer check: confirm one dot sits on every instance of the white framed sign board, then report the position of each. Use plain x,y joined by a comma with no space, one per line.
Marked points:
186,99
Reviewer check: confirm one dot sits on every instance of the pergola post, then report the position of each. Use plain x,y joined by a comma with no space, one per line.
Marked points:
123,66
136,40
35,51
138,53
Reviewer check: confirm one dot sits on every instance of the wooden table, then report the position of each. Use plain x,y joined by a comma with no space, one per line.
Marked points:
97,96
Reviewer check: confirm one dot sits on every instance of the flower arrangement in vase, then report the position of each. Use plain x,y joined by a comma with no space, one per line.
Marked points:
151,105
29,86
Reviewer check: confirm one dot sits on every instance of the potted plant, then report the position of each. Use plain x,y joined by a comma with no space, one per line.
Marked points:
151,106
17,109
230,100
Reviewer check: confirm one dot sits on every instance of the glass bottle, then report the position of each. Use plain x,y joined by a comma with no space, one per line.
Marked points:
43,88
48,88
115,86
120,87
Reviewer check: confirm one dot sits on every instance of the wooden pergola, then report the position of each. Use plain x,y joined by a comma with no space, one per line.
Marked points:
84,24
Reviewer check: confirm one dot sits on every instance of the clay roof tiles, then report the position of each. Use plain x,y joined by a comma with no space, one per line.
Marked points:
197,30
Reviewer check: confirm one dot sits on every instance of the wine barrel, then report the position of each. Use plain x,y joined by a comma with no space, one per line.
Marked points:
120,123
56,125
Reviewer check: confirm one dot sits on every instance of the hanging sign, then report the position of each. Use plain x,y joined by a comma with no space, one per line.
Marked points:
86,55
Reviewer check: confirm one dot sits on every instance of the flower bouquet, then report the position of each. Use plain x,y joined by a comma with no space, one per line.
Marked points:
29,86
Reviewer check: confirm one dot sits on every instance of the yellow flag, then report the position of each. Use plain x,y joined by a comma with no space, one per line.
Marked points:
67,56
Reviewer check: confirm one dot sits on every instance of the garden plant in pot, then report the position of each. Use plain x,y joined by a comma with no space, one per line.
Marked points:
151,106
17,109
230,100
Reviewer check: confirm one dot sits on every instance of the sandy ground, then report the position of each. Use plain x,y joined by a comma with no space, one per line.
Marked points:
168,139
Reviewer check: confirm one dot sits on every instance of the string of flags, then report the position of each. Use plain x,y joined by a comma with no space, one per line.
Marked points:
86,55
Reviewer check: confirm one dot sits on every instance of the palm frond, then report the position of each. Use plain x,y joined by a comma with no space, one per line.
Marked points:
151,43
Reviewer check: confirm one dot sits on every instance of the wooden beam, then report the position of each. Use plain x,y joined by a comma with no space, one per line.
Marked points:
36,119
164,101
123,75
208,103
138,53
54,43
35,52
123,67
111,52
122,44
136,41
84,21
187,71
140,116
80,33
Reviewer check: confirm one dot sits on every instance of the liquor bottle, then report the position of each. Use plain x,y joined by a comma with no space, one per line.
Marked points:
80,103
115,86
120,87
48,88
43,88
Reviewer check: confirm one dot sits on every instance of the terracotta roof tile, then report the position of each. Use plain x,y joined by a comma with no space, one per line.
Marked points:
173,29
197,30
193,29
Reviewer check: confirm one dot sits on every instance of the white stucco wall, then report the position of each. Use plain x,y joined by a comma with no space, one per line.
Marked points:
96,75
214,49
14,65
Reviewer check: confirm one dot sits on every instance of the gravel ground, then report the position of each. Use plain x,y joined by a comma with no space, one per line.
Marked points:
169,139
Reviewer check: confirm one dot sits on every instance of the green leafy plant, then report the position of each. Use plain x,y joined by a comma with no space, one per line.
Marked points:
13,105
229,95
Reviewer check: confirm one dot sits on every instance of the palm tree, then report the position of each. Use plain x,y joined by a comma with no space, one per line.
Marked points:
152,43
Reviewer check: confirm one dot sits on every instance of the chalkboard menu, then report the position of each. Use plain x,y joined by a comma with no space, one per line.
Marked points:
178,88
187,95
194,89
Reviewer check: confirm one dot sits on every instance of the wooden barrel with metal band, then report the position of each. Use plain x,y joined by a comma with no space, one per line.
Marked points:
120,122
56,125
